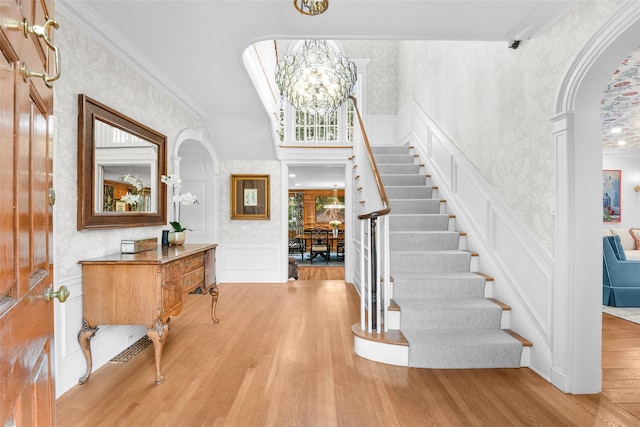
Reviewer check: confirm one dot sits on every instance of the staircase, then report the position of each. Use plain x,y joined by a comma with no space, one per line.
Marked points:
442,315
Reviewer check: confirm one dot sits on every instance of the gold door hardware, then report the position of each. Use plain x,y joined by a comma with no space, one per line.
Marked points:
41,31
62,294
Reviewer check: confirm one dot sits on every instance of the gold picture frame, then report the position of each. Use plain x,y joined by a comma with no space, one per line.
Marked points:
250,195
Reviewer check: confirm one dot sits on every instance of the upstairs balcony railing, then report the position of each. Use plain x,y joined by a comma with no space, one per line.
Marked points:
373,256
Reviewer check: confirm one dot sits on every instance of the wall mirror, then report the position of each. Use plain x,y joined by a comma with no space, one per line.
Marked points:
120,162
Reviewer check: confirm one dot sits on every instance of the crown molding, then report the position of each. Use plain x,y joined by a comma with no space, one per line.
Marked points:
541,18
104,34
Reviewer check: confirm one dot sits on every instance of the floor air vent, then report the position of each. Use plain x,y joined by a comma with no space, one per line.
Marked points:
132,351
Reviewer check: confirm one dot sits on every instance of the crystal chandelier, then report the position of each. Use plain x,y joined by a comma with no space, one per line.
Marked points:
311,7
315,79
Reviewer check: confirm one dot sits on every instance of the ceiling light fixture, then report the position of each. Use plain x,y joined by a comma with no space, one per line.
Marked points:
311,7
335,203
316,79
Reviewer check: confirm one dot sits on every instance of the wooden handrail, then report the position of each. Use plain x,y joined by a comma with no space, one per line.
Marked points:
383,195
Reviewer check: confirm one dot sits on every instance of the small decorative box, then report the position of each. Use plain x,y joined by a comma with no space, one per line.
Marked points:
140,245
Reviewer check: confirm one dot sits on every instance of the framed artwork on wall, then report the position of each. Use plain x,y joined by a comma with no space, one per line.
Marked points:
250,197
325,211
108,200
611,195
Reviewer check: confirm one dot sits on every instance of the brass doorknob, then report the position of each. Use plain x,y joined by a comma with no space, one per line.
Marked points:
62,294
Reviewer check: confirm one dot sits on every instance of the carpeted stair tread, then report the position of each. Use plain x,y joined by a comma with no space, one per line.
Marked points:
412,206
426,261
390,149
424,240
438,285
402,168
404,180
419,222
448,313
406,303
409,191
440,275
462,348
394,158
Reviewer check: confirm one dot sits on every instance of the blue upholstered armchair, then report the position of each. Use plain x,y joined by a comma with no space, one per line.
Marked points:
620,278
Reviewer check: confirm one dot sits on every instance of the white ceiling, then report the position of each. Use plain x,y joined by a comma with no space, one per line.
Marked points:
621,107
193,49
316,177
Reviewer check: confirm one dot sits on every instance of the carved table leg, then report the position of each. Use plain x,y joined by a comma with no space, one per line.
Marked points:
158,333
84,337
213,291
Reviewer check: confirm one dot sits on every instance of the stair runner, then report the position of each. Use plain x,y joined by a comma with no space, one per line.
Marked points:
444,314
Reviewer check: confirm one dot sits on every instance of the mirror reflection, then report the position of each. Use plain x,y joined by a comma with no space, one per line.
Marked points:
126,172
120,162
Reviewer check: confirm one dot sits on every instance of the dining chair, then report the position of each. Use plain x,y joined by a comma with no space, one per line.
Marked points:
320,244
297,246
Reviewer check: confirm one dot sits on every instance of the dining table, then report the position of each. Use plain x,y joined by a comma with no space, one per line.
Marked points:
333,242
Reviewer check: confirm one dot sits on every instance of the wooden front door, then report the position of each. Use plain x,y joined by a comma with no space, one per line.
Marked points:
26,271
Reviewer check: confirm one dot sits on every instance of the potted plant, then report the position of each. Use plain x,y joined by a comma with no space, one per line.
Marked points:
177,237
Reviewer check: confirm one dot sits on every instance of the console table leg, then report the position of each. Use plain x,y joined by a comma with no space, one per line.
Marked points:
158,333
84,338
213,291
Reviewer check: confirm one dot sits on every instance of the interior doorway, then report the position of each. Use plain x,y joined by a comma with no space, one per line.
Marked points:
577,297
317,215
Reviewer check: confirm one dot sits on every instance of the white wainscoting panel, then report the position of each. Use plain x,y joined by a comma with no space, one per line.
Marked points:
510,250
441,160
251,261
476,204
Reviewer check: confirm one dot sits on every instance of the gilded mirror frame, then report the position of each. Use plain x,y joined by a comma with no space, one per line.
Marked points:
90,110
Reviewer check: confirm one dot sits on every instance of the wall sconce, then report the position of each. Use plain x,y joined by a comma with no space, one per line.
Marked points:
636,188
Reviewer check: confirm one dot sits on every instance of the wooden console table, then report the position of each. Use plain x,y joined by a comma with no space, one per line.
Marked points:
145,288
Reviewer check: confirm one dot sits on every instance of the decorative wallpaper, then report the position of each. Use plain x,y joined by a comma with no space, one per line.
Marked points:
250,230
87,67
498,111
621,105
382,87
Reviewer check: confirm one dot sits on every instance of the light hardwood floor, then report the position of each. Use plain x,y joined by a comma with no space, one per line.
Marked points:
282,355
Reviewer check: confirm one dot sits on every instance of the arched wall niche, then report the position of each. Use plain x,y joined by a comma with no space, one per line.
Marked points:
195,161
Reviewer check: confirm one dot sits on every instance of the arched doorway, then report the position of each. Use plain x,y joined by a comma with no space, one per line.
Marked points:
577,297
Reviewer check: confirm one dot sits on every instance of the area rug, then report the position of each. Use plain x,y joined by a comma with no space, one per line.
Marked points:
318,262
632,314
